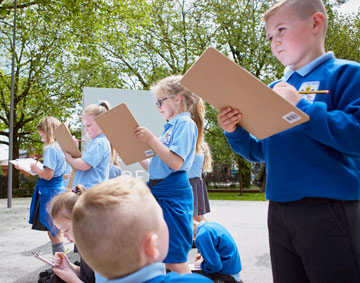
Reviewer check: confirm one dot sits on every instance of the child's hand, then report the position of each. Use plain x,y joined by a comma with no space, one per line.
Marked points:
66,176
35,169
68,156
143,134
228,118
198,261
76,141
61,260
288,92
64,269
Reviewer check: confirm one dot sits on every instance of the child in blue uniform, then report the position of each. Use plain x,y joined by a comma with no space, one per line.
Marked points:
313,169
219,255
60,209
121,233
202,163
175,152
94,164
49,184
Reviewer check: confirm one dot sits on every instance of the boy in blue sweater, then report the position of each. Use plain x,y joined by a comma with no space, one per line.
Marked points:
313,169
121,233
219,255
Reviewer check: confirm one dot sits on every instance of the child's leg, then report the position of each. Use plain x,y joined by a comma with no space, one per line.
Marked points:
179,267
315,240
57,243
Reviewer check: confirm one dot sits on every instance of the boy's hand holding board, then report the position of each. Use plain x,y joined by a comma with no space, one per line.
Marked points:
221,82
118,125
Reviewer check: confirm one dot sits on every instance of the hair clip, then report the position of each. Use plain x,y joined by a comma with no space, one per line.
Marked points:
76,190
99,102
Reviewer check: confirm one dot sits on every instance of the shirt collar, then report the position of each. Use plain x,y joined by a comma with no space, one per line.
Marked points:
307,68
172,121
144,274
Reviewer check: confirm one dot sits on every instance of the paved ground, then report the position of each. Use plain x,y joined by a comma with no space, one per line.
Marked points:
245,220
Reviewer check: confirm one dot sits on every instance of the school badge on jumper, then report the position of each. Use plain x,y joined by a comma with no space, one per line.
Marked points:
309,86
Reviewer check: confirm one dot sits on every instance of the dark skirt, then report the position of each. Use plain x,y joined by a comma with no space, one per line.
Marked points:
37,225
201,198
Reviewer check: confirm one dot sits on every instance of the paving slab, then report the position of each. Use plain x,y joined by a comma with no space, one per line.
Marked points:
245,220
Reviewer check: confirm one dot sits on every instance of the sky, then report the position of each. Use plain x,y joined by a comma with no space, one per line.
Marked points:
350,6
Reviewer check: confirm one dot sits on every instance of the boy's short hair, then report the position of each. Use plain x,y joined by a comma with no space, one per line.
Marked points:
110,221
303,9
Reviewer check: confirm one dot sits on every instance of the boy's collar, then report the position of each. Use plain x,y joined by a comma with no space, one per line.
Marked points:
309,67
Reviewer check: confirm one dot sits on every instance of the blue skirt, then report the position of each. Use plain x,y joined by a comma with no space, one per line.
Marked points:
45,190
174,195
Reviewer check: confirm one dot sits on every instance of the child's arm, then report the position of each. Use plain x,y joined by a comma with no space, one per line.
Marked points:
46,173
228,118
211,262
170,158
77,163
145,164
65,269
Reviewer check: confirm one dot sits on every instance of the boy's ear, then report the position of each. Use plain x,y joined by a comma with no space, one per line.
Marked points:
152,246
318,21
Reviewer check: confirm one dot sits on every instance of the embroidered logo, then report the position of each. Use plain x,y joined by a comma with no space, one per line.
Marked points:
165,138
309,86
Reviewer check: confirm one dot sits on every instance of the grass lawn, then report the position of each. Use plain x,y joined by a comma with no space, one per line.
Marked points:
236,196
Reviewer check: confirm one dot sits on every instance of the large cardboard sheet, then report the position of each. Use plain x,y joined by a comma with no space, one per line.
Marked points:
65,140
221,82
118,125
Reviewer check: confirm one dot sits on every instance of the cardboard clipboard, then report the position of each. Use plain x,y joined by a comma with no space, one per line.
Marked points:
118,125
66,142
221,82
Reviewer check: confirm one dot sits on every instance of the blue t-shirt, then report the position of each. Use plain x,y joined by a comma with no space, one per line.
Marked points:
180,135
197,167
218,249
154,273
54,159
319,158
97,156
114,172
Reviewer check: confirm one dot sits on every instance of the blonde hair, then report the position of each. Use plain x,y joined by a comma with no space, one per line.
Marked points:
95,110
303,9
191,102
62,204
110,222
207,166
48,125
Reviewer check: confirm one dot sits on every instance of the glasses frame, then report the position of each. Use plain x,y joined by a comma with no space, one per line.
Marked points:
159,102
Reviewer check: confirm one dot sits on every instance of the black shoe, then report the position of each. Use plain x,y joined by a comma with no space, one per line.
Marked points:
44,276
193,245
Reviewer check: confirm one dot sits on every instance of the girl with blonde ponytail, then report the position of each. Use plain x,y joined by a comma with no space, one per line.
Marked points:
175,152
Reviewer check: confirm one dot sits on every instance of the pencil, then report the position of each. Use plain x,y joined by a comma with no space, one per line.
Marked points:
313,91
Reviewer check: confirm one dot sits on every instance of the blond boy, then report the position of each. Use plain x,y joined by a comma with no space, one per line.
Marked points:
313,169
121,233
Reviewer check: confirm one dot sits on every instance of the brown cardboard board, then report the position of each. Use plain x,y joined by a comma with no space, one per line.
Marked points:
221,82
65,140
118,125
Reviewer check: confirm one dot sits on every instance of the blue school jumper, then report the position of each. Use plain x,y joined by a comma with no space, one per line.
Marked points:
218,249
174,193
320,158
154,273
54,159
97,155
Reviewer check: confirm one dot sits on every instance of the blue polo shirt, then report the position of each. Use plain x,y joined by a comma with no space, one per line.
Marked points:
180,135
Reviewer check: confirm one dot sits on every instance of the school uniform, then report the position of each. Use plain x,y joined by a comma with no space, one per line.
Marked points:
218,249
115,171
154,273
97,155
172,189
313,177
45,190
201,198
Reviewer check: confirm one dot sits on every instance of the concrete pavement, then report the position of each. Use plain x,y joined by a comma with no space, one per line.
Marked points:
245,220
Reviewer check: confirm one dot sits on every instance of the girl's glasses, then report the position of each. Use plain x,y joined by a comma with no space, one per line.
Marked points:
159,102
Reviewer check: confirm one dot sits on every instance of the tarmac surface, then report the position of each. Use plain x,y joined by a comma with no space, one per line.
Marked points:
245,220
